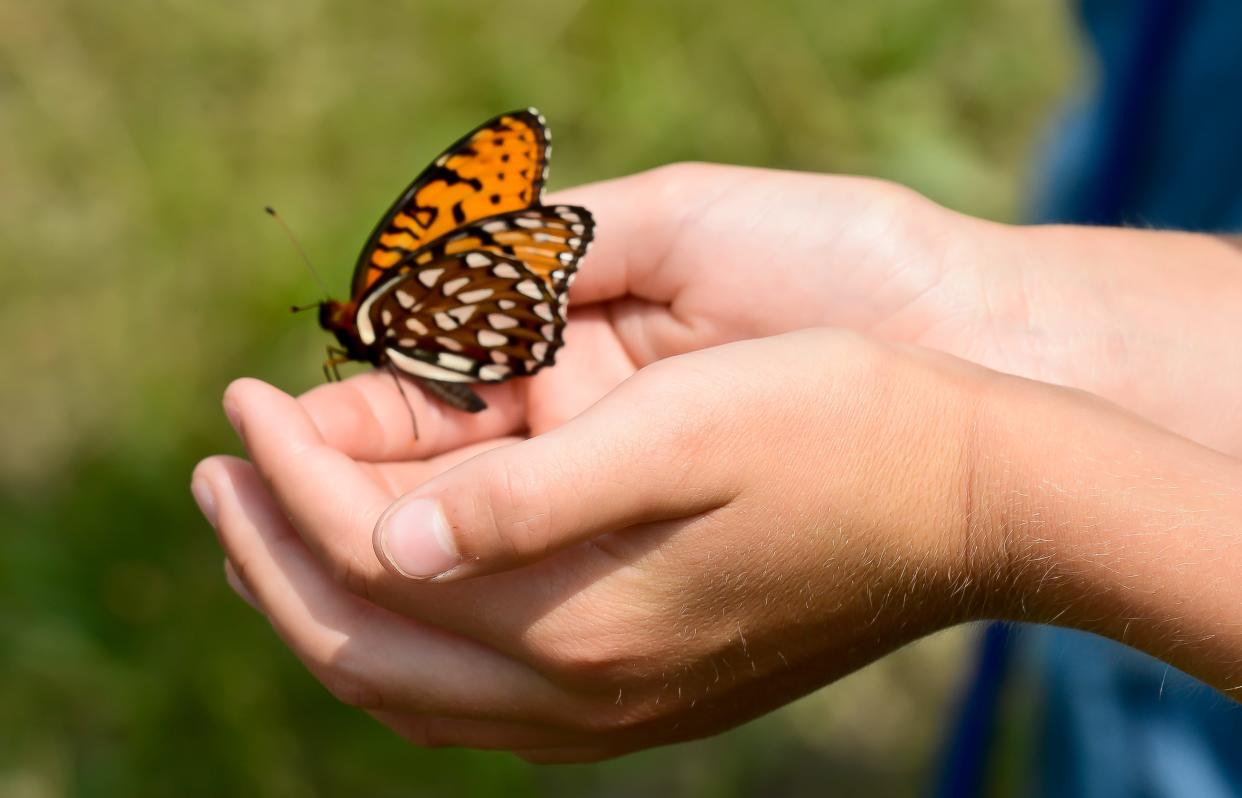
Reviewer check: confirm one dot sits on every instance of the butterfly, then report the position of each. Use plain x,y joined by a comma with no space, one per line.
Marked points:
466,277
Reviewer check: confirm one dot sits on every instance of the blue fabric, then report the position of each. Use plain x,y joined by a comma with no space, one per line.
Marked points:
1155,140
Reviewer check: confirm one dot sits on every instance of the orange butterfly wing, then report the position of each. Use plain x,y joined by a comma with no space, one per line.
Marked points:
499,166
550,241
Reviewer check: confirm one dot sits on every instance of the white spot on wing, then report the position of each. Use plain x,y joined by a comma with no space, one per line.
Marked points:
529,224
463,313
528,288
416,325
539,350
404,297
445,322
500,321
449,343
543,311
428,277
428,371
476,259
494,373
454,285
366,331
455,362
507,304
478,295
489,338
506,271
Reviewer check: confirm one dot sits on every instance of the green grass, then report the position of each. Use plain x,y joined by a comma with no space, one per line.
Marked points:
140,142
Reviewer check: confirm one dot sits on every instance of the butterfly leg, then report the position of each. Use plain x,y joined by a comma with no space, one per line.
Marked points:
335,358
401,388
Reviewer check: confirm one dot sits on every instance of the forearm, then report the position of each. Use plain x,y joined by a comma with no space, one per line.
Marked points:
1112,525
1151,320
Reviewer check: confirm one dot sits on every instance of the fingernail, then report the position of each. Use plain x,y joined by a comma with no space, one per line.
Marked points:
235,582
416,540
234,416
205,498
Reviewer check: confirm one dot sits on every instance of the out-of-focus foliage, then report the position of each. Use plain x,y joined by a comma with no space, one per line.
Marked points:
139,142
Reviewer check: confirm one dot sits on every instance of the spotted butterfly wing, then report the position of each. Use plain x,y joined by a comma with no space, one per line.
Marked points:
477,328
549,240
474,316
499,166
466,277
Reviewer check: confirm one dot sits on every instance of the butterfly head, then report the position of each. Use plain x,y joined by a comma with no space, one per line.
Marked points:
338,319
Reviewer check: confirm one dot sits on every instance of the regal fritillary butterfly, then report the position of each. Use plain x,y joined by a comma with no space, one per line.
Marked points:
466,277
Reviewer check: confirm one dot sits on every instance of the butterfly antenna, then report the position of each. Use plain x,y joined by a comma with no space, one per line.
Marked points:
322,287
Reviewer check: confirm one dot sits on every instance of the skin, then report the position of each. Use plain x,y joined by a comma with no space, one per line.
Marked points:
751,472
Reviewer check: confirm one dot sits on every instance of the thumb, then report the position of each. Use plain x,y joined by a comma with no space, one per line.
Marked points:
621,463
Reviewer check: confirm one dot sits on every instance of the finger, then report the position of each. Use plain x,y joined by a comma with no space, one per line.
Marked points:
368,417
626,461
403,476
235,582
366,656
638,222
333,501
592,363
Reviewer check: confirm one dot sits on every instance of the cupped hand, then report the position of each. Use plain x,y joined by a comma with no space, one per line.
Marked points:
694,255
668,533
720,533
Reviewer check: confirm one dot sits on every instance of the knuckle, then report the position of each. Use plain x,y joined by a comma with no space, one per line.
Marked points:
679,175
681,184
520,523
351,575
857,361
594,661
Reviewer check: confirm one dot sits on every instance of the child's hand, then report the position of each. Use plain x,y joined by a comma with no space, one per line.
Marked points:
722,531
735,527
694,255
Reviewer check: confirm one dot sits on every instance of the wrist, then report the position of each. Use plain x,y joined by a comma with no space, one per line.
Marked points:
1134,316
1102,522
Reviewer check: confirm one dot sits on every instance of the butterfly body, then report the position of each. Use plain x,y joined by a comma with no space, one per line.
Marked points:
466,277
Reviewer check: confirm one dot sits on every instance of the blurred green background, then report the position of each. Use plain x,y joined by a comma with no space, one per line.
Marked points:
139,142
